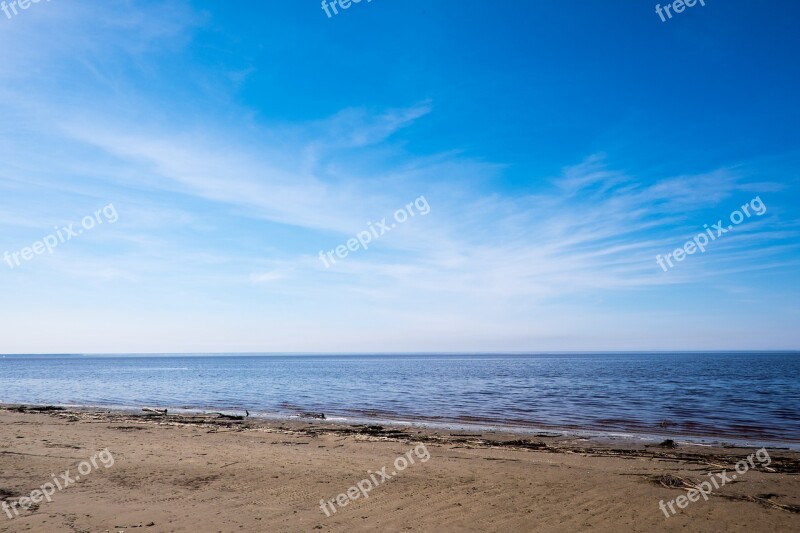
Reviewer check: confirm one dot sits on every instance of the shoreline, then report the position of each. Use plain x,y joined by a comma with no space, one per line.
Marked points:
643,436
545,441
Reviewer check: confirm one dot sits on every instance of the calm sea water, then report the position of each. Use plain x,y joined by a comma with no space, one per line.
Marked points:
723,395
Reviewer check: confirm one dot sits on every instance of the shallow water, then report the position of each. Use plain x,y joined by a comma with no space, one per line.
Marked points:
735,395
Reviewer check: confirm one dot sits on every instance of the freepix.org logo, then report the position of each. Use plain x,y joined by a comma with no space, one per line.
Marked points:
331,6
57,484
678,6
375,232
62,235
10,8
701,240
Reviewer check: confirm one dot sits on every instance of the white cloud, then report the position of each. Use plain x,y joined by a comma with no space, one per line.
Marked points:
266,277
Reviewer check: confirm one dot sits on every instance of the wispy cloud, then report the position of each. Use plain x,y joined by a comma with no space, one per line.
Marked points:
222,206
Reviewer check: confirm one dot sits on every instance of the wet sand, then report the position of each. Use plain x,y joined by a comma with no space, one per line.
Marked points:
195,473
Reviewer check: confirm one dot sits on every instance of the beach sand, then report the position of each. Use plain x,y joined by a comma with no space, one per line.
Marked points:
194,474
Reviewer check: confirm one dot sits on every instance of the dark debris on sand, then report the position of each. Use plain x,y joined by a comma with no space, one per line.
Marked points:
785,464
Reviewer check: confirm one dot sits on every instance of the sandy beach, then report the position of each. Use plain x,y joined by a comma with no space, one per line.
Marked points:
196,473
410,266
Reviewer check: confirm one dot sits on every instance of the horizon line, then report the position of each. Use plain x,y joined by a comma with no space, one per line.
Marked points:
367,353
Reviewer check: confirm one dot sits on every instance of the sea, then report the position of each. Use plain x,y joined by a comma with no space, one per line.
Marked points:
737,397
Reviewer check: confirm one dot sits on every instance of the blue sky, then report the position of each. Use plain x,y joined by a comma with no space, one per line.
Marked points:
560,147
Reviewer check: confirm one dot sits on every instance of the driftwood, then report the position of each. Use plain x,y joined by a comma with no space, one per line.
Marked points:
320,416
45,409
36,409
675,482
158,411
766,500
223,416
